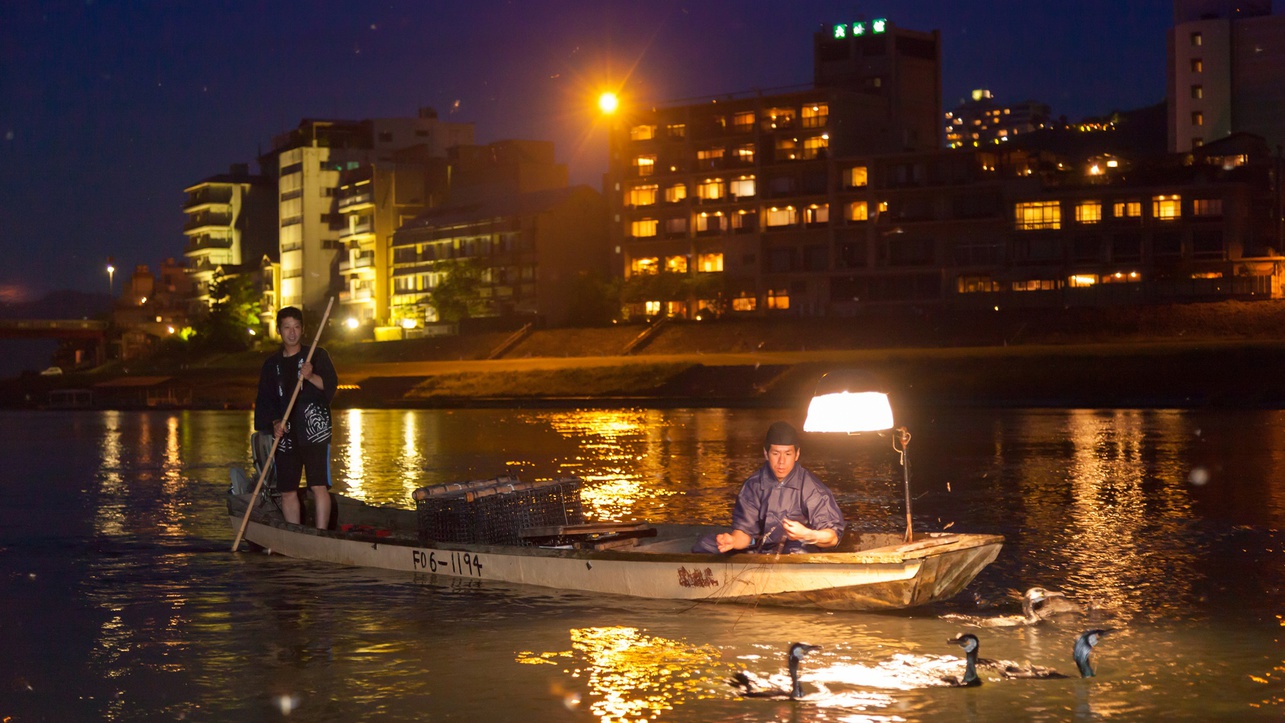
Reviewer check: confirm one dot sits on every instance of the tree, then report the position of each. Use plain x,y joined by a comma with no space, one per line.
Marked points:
234,310
456,296
595,301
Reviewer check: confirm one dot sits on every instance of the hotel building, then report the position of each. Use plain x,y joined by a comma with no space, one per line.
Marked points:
231,223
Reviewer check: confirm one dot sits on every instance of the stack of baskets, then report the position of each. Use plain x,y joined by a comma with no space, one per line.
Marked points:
495,511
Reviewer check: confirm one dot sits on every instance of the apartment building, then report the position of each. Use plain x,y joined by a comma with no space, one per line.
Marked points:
231,223
310,160
983,121
1226,72
527,250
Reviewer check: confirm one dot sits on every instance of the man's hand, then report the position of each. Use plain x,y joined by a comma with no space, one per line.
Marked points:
278,428
801,532
734,540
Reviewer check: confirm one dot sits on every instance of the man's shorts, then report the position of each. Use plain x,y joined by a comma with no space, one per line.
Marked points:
311,460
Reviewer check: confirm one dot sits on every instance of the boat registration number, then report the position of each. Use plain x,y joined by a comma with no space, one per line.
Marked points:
447,562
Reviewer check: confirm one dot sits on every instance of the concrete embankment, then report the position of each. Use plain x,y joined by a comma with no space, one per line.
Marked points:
1197,355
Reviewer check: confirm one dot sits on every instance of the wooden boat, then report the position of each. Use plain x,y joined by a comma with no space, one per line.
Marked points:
870,572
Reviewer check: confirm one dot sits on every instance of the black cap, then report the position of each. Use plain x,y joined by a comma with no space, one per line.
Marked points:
781,433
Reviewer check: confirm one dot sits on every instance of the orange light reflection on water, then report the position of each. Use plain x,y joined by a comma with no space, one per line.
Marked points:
630,675
620,455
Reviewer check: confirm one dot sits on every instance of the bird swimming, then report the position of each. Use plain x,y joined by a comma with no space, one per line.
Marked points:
1043,604
751,688
1011,670
969,643
1084,648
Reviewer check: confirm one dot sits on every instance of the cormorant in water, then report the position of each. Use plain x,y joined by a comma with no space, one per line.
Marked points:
969,643
1012,670
751,688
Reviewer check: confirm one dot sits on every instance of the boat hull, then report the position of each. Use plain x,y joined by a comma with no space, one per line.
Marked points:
886,578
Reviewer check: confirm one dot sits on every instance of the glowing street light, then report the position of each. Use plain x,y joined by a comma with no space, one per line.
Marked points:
608,102
111,274
351,322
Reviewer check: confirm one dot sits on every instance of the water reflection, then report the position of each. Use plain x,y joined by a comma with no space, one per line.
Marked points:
354,456
631,675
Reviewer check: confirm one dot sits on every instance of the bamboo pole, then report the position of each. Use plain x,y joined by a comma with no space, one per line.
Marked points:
276,441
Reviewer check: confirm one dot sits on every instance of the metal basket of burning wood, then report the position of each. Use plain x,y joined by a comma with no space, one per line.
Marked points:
495,511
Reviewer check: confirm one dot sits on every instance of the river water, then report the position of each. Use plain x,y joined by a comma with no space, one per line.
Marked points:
120,599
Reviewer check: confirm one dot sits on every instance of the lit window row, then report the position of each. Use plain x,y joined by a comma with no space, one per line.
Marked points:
677,264
1043,215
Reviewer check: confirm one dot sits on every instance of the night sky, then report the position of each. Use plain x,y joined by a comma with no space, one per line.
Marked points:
109,108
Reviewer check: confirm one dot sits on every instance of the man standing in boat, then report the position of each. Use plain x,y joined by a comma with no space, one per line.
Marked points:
781,507
304,449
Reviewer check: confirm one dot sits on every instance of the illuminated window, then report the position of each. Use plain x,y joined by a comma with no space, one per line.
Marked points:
857,211
816,146
1038,215
1088,212
709,154
1035,285
1197,39
675,227
646,165
1127,209
977,284
710,263
778,299
643,228
743,121
1197,66
1122,277
787,149
744,221
710,190
1197,118
1207,207
817,214
1197,92
815,115
778,118
676,264
643,195
676,130
742,187
642,133
1082,281
1166,208
709,223
744,302
745,153
777,217
643,266
675,193
856,177
1197,142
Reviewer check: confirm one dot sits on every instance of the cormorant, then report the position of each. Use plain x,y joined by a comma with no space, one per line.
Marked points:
752,688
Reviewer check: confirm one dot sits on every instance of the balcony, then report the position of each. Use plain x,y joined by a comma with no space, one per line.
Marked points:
356,201
207,220
357,229
205,243
359,261
207,198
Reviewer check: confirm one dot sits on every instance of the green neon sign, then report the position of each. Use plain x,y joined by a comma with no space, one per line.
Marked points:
880,25
841,31
858,28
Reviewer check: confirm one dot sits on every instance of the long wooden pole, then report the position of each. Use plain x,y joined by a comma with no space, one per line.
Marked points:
254,496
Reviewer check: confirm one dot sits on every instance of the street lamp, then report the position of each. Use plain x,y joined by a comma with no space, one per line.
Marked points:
850,403
608,102
111,274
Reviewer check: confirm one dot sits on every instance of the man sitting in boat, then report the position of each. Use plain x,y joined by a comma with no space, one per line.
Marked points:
782,507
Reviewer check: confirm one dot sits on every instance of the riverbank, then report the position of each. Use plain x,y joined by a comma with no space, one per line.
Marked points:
1226,354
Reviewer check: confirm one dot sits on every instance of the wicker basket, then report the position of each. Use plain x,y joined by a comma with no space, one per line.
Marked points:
494,512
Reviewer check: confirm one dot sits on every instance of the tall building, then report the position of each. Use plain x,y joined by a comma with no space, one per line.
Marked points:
981,121
1226,72
310,160
716,191
374,201
527,249
231,223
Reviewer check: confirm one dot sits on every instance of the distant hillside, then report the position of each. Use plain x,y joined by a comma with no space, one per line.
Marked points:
64,304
